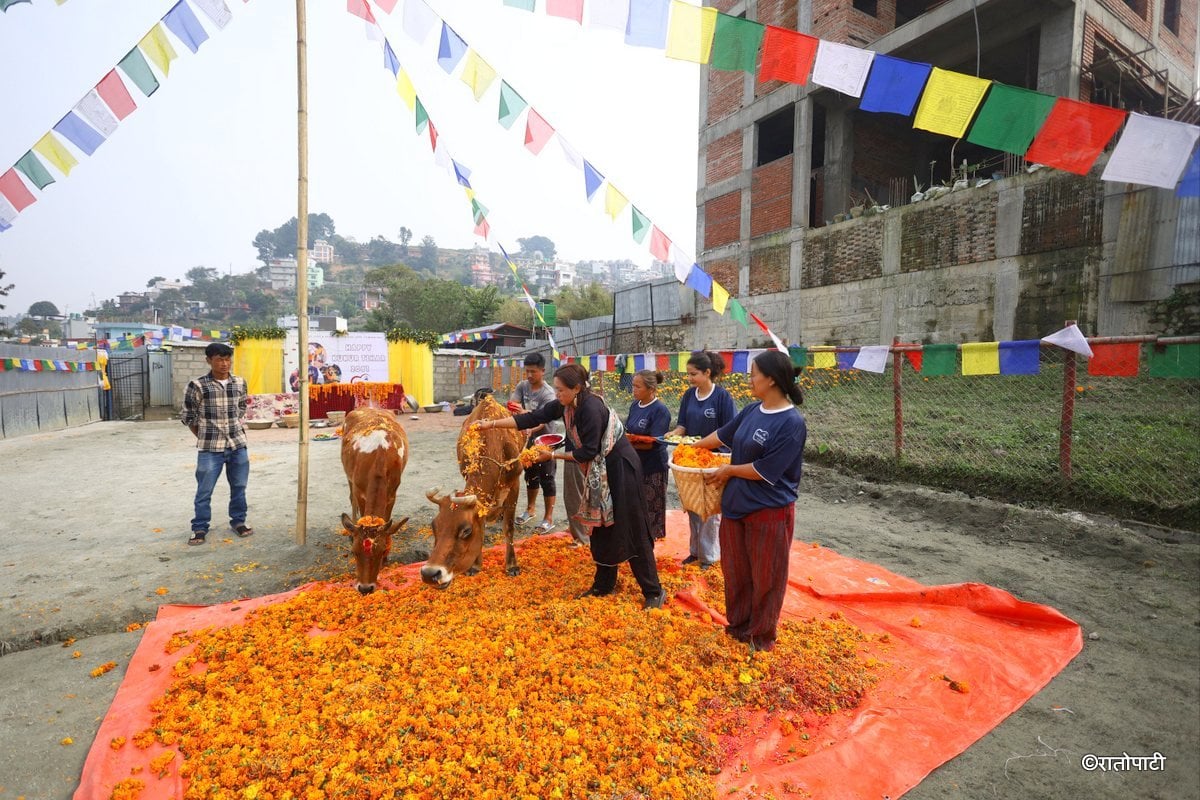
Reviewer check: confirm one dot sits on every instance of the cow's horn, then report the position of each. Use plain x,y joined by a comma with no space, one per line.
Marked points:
435,494
463,499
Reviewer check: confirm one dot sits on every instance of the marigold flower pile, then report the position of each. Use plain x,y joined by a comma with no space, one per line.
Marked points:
530,455
494,688
687,455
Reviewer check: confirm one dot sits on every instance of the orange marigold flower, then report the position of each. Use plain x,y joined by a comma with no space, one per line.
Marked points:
117,742
161,590
687,455
133,626
159,764
103,668
67,740
128,789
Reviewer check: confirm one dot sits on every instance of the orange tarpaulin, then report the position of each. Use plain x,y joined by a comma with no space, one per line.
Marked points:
1002,648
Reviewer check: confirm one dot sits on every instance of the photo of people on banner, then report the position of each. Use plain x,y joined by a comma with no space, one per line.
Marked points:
347,358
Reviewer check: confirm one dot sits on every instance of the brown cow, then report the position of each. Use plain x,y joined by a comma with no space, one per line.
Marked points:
493,477
374,452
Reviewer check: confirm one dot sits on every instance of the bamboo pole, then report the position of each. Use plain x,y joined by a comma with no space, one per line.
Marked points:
302,265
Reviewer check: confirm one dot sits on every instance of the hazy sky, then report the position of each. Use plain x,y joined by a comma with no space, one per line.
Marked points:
210,159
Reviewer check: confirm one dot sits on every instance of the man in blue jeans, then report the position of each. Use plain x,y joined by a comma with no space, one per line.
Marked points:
213,407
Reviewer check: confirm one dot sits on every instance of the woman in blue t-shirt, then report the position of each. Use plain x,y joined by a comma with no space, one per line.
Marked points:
702,409
759,501
649,416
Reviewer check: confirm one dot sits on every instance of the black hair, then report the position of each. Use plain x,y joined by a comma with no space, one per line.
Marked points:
218,349
649,377
574,376
778,367
535,360
709,362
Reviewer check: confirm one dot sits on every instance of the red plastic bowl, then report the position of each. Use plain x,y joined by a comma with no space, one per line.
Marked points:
550,440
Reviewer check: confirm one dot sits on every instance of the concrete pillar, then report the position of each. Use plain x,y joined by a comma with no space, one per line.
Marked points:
839,160
1058,54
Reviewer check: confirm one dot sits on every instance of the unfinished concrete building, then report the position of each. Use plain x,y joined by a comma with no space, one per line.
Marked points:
793,180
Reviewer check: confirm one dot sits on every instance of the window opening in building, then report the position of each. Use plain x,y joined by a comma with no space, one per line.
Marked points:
1171,15
818,137
1138,6
868,7
774,136
908,10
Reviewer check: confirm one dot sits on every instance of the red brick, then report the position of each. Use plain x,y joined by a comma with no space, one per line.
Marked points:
722,220
725,272
843,253
770,269
723,158
771,197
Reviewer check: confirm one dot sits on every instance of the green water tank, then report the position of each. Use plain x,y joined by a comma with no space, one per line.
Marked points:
548,311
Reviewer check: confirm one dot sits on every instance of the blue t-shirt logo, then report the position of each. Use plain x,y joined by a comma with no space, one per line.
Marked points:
710,413
761,436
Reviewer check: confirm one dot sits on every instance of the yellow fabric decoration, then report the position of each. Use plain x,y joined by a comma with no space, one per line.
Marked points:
949,102
158,49
690,35
981,358
719,297
411,364
477,74
102,367
53,151
614,201
260,362
824,359
406,90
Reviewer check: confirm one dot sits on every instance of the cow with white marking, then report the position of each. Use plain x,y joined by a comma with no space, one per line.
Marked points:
374,454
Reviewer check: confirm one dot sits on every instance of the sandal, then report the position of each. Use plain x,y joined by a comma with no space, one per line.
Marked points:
197,537
522,519
242,530
545,527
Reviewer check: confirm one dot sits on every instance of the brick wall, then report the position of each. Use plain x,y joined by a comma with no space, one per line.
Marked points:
840,21
1177,47
724,94
1131,17
187,363
770,269
947,233
1181,46
771,197
725,272
723,158
722,220
884,148
1061,212
843,253
781,14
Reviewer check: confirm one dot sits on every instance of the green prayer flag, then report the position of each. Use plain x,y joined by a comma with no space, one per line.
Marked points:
1175,361
422,116
478,210
735,43
641,225
511,104
137,70
737,312
33,169
524,5
939,359
1010,118
679,362
4,4
799,355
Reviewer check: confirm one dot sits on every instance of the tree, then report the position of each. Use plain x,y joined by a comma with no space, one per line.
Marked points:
537,244
428,260
43,308
590,301
281,242
381,252
4,290
150,283
482,306
405,238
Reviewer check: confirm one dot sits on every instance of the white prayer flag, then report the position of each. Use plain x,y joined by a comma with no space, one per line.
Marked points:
570,153
751,355
7,212
842,67
1070,338
611,14
418,20
682,264
93,109
779,345
1152,151
872,358
216,10
442,158
374,32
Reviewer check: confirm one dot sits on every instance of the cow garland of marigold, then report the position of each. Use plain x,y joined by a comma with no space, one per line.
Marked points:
510,690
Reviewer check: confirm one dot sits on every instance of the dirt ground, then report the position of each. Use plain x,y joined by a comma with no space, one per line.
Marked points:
94,522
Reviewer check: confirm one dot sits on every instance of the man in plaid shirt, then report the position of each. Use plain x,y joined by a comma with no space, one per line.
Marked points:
212,408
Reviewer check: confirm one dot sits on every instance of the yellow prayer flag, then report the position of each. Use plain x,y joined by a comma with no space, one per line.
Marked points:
614,201
719,298
690,35
158,49
949,102
53,151
981,358
469,192
408,92
824,359
477,74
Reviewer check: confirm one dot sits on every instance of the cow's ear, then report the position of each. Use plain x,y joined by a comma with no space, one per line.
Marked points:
348,524
397,526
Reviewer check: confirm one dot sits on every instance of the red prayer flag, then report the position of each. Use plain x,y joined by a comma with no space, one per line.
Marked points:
1074,135
360,8
432,137
663,362
483,228
386,5
787,55
760,323
12,187
914,358
112,90
660,245
1116,360
571,9
537,132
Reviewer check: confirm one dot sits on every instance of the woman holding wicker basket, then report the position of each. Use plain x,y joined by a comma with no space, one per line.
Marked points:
759,500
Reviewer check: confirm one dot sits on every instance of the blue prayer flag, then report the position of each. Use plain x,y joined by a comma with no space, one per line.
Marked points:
1189,185
182,22
461,173
700,280
894,85
646,25
592,180
4,226
1020,358
389,59
846,360
740,360
79,133
451,49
